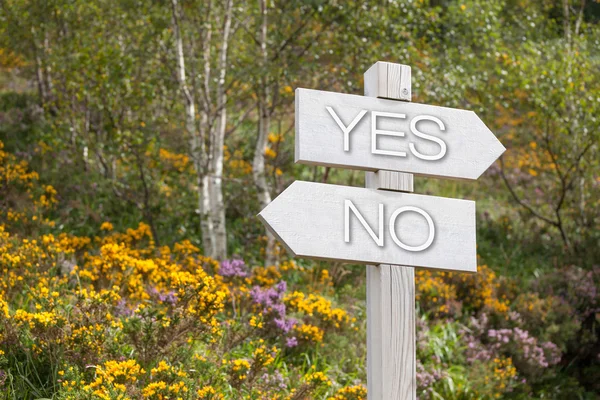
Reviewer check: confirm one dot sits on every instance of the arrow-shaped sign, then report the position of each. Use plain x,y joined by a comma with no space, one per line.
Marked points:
352,224
349,131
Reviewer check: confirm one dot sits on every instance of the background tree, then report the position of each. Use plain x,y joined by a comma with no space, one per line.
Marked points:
207,93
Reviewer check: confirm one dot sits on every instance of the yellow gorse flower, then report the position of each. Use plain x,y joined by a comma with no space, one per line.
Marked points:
106,226
113,376
309,333
356,392
317,378
317,306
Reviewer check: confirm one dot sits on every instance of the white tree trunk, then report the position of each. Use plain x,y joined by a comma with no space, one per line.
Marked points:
204,207
196,142
217,212
39,69
264,121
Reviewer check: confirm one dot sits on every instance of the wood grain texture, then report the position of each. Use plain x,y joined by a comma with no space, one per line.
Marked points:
391,314
388,80
311,220
389,180
400,362
470,147
391,337
376,278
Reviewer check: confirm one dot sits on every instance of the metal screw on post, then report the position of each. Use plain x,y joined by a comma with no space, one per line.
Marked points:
391,340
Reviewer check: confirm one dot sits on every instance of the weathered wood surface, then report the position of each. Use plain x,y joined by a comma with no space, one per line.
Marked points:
391,313
391,339
389,180
349,131
389,81
351,224
391,316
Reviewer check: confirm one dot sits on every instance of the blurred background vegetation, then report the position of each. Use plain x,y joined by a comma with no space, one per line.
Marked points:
173,121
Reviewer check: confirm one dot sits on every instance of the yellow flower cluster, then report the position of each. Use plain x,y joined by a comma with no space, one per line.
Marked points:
437,292
4,309
43,319
25,262
163,390
12,171
356,392
501,376
135,270
433,291
266,276
325,279
309,333
64,311
69,244
312,382
208,392
106,226
275,138
481,289
504,369
180,162
263,356
48,199
154,388
529,159
164,367
290,265
23,202
270,153
317,378
319,307
9,60
236,165
113,376
240,368
256,322
91,337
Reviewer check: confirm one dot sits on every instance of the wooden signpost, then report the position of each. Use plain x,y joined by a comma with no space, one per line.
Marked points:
392,140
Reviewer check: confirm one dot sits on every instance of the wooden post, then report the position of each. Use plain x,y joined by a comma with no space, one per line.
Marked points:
391,340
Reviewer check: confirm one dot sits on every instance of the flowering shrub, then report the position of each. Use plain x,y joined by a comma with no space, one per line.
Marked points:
93,303
115,316
510,339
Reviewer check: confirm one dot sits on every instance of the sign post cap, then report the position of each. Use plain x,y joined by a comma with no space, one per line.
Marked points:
389,81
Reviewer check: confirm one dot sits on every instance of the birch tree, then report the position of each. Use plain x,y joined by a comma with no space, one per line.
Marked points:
205,101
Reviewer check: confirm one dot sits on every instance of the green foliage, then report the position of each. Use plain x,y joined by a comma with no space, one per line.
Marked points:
91,99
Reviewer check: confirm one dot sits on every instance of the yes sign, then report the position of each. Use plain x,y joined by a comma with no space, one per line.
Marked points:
348,131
